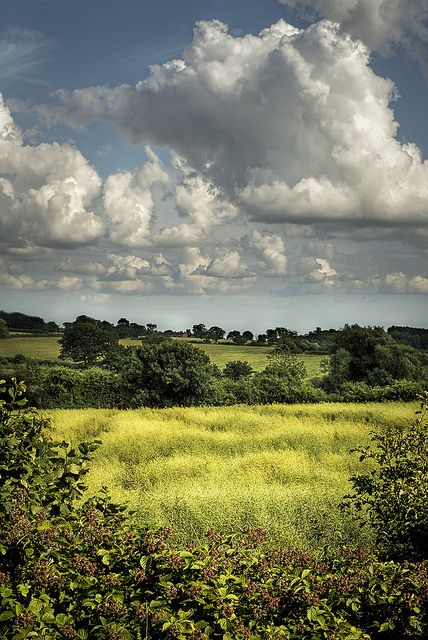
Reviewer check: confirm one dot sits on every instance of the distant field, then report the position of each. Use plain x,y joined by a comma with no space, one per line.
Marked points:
283,468
48,348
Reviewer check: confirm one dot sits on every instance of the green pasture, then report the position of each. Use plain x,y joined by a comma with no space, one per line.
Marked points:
48,348
284,468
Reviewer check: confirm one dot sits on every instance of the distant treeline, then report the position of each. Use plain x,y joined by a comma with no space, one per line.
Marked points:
23,322
317,341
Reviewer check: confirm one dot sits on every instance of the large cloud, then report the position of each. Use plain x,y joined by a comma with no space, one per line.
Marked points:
271,250
46,192
291,125
129,204
201,203
378,23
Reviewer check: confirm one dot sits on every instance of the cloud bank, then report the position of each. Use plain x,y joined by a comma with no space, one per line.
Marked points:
46,192
290,125
380,24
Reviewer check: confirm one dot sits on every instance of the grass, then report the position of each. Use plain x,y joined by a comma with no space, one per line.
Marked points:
48,348
281,467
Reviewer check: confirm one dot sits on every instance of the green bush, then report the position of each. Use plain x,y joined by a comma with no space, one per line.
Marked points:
237,369
393,497
79,568
399,390
169,373
66,388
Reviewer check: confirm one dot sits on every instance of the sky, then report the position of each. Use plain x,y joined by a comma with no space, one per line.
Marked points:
242,164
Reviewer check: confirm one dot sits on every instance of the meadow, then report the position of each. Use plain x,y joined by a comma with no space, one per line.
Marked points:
48,348
284,468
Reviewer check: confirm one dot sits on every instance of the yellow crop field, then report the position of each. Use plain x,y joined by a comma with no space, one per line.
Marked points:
281,467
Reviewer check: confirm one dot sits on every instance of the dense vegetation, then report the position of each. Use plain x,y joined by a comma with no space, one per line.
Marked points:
365,365
77,567
23,322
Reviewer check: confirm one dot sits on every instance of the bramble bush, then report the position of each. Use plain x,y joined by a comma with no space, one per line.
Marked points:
76,568
393,496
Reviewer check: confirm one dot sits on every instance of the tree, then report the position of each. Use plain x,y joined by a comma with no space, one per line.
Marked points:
217,332
248,335
4,331
87,340
373,357
169,373
237,369
199,330
233,334
151,327
123,321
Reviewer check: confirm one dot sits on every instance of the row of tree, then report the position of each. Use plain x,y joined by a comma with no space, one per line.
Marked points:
365,364
317,341
23,322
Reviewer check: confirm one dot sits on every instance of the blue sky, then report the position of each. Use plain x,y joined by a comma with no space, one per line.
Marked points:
272,170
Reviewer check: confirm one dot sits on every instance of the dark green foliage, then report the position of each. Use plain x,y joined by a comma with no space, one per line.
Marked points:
227,391
370,355
412,336
199,330
169,373
87,340
399,390
23,322
4,331
70,388
76,568
216,333
283,380
237,369
393,497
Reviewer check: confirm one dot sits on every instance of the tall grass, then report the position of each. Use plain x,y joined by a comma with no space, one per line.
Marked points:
283,468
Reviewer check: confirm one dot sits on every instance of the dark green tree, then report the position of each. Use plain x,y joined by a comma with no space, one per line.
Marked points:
199,330
233,334
87,340
217,333
237,369
373,357
169,373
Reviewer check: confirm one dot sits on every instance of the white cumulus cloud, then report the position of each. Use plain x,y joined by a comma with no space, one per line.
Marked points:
271,249
290,125
380,24
46,192
129,203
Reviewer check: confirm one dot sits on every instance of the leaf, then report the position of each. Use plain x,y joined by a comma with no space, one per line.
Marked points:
74,469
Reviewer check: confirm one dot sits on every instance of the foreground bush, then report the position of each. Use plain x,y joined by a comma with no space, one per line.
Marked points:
73,568
393,497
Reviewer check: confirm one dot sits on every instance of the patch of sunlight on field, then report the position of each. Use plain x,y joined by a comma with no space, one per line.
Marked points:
47,347
281,467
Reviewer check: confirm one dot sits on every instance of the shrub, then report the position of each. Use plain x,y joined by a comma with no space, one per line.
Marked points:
66,388
393,497
399,390
237,369
169,373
